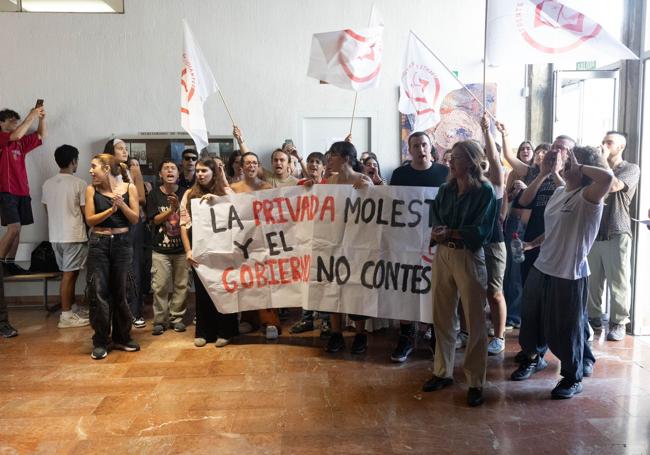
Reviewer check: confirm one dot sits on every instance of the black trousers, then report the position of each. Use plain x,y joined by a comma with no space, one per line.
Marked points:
109,260
554,315
210,324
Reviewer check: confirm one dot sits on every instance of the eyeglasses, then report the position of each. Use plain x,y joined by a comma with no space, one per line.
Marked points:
190,158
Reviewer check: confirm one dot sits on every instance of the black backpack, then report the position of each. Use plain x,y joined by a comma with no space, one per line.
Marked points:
43,259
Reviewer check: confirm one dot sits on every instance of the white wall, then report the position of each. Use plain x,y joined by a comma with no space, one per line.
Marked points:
104,74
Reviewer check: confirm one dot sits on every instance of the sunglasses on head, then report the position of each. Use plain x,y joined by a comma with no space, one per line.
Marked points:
190,158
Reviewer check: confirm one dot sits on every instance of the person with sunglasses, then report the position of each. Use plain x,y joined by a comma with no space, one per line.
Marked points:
188,168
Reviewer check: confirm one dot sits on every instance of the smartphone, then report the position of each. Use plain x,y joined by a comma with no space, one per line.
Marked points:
287,143
39,103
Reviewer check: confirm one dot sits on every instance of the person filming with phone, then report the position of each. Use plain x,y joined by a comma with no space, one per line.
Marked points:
15,203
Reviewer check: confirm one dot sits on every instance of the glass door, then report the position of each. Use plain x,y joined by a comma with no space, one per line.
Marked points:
585,104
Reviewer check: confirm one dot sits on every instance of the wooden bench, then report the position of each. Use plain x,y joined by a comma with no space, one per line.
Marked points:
43,277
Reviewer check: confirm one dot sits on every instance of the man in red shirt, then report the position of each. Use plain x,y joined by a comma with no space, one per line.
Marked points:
15,203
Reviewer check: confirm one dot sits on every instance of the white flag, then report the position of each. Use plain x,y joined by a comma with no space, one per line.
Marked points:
349,59
197,84
424,82
547,31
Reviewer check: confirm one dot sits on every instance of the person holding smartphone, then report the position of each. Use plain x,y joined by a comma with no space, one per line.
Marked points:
15,203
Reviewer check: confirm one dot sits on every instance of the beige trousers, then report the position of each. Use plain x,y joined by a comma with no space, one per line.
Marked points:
166,270
460,272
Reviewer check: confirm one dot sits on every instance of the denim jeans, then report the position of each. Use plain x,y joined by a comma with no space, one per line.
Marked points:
109,261
137,246
512,282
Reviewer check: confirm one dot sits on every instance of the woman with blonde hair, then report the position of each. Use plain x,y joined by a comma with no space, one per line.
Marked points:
464,212
111,207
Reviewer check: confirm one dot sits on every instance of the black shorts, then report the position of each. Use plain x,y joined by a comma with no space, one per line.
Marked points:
15,209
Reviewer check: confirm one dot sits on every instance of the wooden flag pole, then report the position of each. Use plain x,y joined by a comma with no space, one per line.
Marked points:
485,54
354,108
455,77
226,105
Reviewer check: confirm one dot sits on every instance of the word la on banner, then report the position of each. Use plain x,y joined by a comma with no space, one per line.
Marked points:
348,59
424,82
328,248
197,84
546,31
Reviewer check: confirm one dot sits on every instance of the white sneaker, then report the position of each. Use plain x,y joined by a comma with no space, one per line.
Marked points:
271,332
221,342
81,310
496,346
244,328
72,321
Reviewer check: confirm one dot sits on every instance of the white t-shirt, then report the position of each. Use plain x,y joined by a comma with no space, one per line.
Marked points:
64,195
571,224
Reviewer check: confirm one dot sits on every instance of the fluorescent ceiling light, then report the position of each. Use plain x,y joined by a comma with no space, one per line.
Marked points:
68,6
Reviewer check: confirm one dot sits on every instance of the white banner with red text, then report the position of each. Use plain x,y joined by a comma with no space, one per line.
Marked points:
327,248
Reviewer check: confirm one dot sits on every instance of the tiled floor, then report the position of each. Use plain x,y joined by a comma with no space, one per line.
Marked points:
289,397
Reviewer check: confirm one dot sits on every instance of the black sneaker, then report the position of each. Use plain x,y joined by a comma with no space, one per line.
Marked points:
527,369
99,353
179,327
129,346
336,343
475,396
360,343
436,383
403,350
565,389
7,331
158,329
521,357
302,326
587,368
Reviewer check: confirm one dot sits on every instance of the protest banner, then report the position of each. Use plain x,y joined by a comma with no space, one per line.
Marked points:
326,248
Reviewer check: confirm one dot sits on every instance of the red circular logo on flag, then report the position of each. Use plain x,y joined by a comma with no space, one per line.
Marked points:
539,26
423,87
360,56
188,82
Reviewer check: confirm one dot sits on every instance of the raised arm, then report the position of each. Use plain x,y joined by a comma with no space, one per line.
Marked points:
519,166
138,181
549,166
22,129
496,169
236,132
601,179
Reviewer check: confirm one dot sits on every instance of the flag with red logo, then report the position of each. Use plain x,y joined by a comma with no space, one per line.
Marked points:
197,84
546,31
423,85
349,59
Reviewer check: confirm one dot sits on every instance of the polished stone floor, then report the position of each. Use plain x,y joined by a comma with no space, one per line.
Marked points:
289,397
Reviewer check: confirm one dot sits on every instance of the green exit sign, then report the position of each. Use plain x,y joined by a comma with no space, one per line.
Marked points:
588,65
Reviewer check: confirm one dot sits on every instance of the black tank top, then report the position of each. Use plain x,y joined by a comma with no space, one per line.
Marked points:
117,219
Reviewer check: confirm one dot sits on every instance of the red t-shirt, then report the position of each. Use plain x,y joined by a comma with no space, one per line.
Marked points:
13,174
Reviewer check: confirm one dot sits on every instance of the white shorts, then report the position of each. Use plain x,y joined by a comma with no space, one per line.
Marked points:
70,257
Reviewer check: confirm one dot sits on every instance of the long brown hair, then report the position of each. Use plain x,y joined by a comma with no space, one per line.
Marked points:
474,153
115,167
214,186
